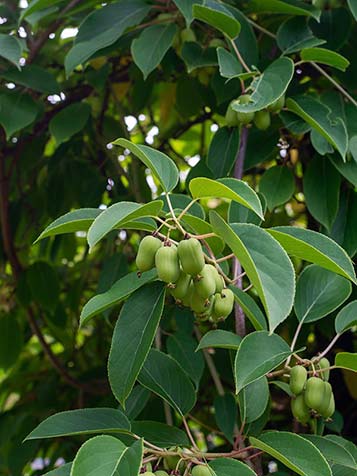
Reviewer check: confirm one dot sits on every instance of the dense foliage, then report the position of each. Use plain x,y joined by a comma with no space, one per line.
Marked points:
225,133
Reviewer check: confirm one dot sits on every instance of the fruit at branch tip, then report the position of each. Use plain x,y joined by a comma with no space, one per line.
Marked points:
191,256
223,304
298,377
325,364
244,117
167,264
145,259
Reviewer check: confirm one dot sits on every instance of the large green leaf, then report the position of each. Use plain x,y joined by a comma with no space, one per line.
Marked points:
78,422
160,434
119,291
185,7
17,111
10,48
269,86
162,167
229,66
324,56
319,292
78,220
316,248
195,56
136,402
216,15
162,375
346,318
117,215
321,118
230,467
149,49
100,455
33,77
266,263
277,185
36,5
182,348
221,339
322,190
333,452
130,463
294,34
103,27
250,308
226,413
353,7
253,400
288,7
348,169
133,335
222,151
346,360
258,354
228,188
293,451
69,121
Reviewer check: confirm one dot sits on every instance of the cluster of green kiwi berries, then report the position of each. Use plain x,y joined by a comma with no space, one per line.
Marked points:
261,118
313,395
172,464
191,281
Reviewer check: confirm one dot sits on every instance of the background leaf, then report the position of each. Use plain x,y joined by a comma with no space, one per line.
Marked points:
160,434
277,185
69,121
225,408
346,318
346,360
221,339
216,15
223,151
324,56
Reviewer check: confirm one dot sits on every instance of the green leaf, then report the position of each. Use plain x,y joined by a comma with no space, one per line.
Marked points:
225,409
162,375
324,56
201,227
229,66
319,143
353,7
332,451
162,167
318,293
222,152
69,121
320,117
314,247
294,34
133,335
81,422
185,7
102,28
322,190
294,451
182,348
100,455
250,308
149,49
117,215
348,169
35,6
253,400
283,386
11,340
288,7
221,339
64,470
44,285
130,463
119,291
160,434
180,202
78,220
230,467
258,354
136,402
344,229
17,111
246,42
216,15
262,258
277,185
33,77
346,360
269,86
10,49
197,57
228,188
346,318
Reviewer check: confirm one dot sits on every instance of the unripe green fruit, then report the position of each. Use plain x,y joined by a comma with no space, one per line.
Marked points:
181,288
231,116
330,409
201,470
161,473
205,283
244,99
198,304
191,256
145,259
299,409
148,473
277,105
187,35
262,120
298,377
223,303
171,462
216,43
164,16
167,264
325,364
219,281
322,409
245,117
314,392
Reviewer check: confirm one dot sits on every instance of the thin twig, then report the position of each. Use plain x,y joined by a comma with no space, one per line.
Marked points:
211,367
189,434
